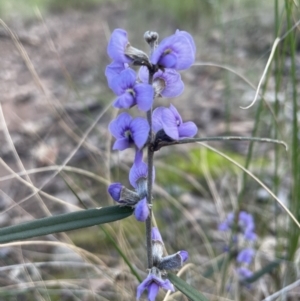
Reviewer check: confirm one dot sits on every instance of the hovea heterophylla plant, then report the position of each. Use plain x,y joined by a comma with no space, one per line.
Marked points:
157,76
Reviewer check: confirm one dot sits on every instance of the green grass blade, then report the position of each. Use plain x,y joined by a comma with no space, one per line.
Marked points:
121,253
265,270
186,289
108,235
64,222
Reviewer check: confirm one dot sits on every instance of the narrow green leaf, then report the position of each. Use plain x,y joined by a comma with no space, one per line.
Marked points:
186,289
64,222
267,269
108,235
121,253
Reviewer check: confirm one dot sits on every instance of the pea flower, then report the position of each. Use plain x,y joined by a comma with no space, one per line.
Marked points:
177,51
152,283
120,50
245,256
242,241
122,195
166,83
130,92
113,70
142,211
244,274
245,223
228,223
129,131
171,122
138,174
127,197
154,280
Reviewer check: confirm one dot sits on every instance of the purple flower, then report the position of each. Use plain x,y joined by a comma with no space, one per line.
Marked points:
122,195
115,190
184,255
225,226
170,262
245,256
170,121
249,234
113,70
117,45
177,51
174,261
244,273
152,283
131,93
120,50
155,235
129,131
138,175
166,83
157,246
139,170
141,211
246,221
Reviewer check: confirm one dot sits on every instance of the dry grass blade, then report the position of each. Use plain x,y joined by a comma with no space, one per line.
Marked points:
256,179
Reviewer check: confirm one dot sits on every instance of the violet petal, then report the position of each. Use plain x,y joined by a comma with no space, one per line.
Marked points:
155,234
118,126
116,46
174,86
142,211
124,81
157,119
136,172
187,129
245,256
114,190
170,124
124,101
175,52
113,70
144,94
153,289
121,144
184,255
140,130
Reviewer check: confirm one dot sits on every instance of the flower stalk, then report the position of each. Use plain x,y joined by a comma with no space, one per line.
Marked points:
150,154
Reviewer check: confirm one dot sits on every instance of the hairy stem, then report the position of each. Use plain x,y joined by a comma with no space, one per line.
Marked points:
150,155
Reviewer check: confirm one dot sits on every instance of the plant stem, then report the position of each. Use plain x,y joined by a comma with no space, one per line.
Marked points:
150,155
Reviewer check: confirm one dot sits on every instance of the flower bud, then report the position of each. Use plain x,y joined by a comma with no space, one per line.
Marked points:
173,262
114,190
184,255
142,211
122,195
139,57
142,187
157,246
155,235
151,37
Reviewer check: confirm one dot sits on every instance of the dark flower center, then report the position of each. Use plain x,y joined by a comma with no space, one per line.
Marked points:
128,135
130,91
